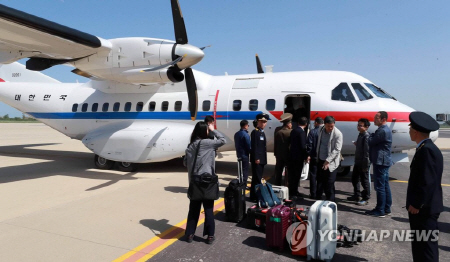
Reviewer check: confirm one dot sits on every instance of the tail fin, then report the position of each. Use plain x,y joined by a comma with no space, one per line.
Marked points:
16,72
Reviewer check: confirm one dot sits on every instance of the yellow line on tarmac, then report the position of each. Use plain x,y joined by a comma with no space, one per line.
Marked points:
138,254
168,243
400,181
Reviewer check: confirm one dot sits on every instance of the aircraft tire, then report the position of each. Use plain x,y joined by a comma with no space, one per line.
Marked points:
103,163
127,166
343,171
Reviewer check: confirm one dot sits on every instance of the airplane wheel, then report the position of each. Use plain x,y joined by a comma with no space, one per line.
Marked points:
103,163
127,166
343,170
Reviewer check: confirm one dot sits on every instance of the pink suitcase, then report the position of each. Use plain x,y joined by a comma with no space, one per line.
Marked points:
278,220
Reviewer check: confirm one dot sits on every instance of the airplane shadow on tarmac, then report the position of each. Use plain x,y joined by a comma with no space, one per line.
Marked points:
66,163
81,165
260,243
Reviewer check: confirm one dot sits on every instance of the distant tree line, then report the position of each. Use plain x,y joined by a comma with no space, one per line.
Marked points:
23,118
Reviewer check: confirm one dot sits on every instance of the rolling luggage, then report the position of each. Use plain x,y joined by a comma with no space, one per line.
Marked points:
235,197
298,235
322,216
281,192
256,217
265,194
279,218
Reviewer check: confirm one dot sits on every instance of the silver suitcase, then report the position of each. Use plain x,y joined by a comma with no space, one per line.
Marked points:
322,216
282,192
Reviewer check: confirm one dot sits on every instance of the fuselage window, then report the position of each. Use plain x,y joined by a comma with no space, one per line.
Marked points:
127,107
253,105
74,107
270,104
206,105
237,105
152,106
378,91
342,93
361,92
105,107
178,105
164,106
84,107
139,106
116,106
94,107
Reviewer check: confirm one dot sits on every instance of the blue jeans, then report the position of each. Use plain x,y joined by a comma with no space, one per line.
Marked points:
381,181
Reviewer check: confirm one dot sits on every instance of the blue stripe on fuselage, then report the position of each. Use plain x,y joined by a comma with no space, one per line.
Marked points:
220,115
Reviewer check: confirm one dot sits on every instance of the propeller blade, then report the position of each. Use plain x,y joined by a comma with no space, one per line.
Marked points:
202,48
178,23
258,65
191,87
165,65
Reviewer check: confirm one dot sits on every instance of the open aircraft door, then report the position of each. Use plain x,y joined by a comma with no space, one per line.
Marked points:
298,105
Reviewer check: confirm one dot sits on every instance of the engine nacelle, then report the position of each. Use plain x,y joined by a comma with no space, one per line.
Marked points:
130,56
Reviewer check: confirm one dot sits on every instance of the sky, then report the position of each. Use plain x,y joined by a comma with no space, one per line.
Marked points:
401,46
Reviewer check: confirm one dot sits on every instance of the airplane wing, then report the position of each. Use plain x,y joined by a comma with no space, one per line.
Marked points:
25,35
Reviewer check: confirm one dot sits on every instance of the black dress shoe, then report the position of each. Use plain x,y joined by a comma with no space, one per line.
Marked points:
190,238
210,240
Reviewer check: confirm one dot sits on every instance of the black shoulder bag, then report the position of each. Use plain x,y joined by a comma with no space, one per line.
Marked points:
203,186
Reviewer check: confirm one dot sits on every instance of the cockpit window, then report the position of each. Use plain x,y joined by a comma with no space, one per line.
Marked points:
342,93
361,92
378,91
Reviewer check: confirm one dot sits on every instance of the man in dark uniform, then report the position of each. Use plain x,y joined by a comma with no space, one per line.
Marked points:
258,152
424,196
242,145
311,148
298,155
281,147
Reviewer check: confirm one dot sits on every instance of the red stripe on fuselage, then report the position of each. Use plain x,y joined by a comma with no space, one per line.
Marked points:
350,116
1,80
215,109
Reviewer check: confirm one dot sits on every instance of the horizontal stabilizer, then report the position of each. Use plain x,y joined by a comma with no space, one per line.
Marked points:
17,72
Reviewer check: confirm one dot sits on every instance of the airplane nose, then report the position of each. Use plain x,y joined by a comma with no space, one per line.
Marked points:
193,55
434,135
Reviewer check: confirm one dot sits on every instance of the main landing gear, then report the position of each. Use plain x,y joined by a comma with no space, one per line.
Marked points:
105,164
343,170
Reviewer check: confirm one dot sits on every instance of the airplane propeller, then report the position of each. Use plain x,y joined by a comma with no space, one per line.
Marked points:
190,56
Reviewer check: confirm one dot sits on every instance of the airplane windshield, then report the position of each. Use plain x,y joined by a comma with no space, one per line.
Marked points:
378,91
342,93
361,92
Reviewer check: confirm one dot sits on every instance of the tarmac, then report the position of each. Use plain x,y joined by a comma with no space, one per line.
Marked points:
55,206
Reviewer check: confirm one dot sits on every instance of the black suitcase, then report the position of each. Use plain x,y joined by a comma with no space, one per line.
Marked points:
256,217
235,197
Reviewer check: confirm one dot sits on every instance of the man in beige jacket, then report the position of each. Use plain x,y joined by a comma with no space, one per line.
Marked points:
329,145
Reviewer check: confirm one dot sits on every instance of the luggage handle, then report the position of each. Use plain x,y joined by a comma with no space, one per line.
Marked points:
240,171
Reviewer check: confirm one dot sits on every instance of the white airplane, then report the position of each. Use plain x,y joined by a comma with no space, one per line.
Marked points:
143,94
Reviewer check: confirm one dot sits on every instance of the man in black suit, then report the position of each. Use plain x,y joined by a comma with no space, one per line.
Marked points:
258,152
424,197
298,156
